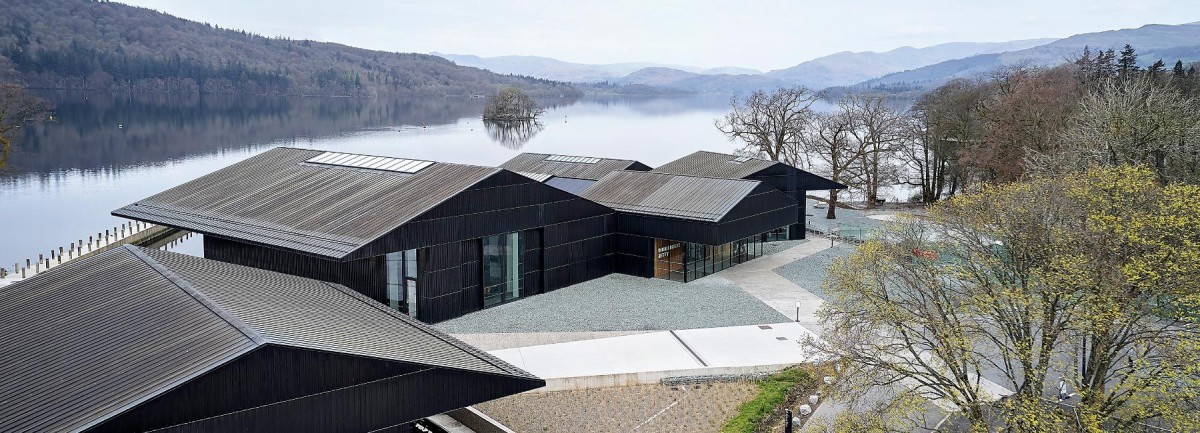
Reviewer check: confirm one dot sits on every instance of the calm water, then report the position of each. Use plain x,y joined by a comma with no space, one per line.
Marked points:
105,151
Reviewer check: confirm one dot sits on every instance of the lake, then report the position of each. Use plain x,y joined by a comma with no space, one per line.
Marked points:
104,151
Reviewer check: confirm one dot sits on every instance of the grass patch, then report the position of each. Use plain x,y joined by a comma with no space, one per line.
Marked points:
772,392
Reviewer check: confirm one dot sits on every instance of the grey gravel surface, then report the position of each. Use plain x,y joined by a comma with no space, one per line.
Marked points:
810,272
777,246
619,302
851,223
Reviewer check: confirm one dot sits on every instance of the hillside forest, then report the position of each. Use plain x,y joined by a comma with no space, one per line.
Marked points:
100,45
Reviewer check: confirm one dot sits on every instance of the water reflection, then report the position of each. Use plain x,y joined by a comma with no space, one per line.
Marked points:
107,150
512,134
95,131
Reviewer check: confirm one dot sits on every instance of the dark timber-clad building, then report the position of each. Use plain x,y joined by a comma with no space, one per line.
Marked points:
791,180
135,340
438,240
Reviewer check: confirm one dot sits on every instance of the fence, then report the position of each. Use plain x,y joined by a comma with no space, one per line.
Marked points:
134,232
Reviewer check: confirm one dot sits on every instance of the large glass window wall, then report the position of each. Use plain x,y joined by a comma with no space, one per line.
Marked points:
502,268
683,261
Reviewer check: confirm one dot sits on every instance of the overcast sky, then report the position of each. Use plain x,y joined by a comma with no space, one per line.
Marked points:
749,33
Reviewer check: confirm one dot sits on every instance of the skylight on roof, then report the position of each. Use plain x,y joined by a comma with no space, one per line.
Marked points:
740,159
382,163
574,159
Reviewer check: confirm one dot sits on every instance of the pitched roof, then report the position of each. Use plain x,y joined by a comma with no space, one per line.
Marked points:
713,164
576,167
280,198
94,337
677,196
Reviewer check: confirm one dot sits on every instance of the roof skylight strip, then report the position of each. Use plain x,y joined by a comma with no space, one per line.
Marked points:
370,162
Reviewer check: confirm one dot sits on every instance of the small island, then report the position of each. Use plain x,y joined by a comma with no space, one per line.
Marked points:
511,104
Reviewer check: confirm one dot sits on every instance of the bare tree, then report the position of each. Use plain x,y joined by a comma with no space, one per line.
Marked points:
880,129
511,104
771,124
836,153
17,108
1134,121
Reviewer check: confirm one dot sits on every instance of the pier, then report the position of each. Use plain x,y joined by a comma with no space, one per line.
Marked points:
134,232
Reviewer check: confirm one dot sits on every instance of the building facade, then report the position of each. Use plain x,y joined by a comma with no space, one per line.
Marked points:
438,240
139,340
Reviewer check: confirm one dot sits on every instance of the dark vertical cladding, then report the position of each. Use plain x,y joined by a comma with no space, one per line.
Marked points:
787,180
366,407
264,376
635,255
367,276
567,240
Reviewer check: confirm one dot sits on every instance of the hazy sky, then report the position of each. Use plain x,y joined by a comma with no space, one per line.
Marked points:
749,33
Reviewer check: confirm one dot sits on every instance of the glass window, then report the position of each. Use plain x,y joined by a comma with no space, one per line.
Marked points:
669,259
402,281
501,268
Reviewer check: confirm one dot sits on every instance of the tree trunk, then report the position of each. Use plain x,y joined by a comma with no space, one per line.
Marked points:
829,213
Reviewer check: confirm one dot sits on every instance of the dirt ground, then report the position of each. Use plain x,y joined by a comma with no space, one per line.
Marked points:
643,408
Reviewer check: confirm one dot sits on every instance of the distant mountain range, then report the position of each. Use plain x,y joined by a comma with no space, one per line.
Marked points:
558,70
846,67
1152,42
904,69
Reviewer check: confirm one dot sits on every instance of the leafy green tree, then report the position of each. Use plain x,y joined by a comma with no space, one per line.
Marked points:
1092,276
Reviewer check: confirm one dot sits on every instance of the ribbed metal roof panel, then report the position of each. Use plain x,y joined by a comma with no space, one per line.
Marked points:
94,337
687,197
540,177
712,164
538,163
300,312
278,198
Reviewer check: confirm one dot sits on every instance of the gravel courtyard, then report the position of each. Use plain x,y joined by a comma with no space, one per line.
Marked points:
644,408
810,271
620,302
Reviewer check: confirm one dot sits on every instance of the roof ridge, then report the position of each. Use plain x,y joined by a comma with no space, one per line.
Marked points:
187,287
484,356
661,173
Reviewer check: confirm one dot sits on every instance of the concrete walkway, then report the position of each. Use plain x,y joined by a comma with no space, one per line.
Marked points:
717,349
758,279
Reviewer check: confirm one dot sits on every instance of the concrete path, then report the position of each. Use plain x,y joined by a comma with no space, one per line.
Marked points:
688,349
757,278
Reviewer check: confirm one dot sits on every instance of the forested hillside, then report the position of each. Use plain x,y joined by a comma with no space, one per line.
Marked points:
100,45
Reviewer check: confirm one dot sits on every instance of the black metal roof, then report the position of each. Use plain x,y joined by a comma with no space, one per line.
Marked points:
279,199
90,339
670,195
594,169
713,164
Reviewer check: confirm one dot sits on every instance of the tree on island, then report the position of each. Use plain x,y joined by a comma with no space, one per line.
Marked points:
511,104
17,107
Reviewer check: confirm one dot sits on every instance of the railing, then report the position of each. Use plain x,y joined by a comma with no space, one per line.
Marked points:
134,232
